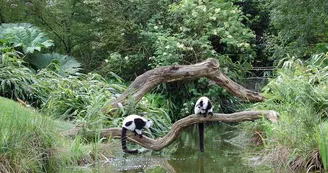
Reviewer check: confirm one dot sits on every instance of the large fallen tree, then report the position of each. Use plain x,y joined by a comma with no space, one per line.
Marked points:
145,82
209,68
160,143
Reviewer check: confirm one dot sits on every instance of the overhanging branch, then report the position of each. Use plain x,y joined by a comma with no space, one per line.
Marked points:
209,68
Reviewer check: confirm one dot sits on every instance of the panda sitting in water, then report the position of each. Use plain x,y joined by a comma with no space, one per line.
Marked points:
134,123
203,107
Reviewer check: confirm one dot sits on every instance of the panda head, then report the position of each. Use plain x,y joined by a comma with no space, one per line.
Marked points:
148,124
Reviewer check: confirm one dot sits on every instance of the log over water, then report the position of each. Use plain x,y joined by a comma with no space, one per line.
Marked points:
160,143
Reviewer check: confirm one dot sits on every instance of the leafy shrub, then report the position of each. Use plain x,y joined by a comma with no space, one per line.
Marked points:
29,40
298,27
61,64
128,67
15,78
81,97
53,88
73,96
16,82
16,74
185,33
196,30
299,94
24,36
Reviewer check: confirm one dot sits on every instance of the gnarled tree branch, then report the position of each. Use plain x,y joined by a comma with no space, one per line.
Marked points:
209,68
160,143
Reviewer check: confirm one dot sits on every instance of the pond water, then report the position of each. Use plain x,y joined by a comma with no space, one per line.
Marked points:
223,153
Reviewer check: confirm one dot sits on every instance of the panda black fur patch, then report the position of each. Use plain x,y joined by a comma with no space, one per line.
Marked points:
139,123
128,123
133,123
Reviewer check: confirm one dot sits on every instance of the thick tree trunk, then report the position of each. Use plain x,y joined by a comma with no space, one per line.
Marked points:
160,143
209,68
145,82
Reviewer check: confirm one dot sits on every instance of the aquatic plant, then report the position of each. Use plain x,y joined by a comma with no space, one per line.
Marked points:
299,94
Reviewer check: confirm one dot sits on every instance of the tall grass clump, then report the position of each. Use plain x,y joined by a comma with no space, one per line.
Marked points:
322,137
15,78
16,82
79,98
300,94
30,142
74,96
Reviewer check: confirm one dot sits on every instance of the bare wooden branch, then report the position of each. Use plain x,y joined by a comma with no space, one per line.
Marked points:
209,68
160,143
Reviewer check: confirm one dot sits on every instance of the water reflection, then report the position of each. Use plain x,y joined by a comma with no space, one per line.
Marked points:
141,163
221,154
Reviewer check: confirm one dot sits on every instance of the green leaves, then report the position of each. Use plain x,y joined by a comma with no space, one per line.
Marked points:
73,97
62,64
299,94
195,30
29,39
300,25
24,36
15,82
322,138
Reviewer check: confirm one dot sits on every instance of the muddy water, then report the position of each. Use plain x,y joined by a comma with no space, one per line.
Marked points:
223,153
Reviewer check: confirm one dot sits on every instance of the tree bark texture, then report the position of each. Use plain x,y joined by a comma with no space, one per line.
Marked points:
209,68
160,143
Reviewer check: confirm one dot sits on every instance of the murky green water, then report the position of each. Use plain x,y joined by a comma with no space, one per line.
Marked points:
223,153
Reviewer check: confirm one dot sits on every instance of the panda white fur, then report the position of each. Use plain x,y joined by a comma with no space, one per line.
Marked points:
134,123
203,107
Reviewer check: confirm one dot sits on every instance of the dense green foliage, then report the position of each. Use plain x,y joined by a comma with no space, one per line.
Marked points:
24,36
299,26
299,94
59,91
115,36
62,64
68,58
187,33
51,83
